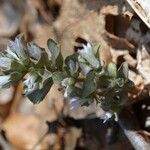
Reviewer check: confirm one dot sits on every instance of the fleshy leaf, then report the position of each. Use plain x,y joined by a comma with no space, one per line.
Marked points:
85,101
89,85
112,70
124,70
56,55
16,76
95,49
16,66
72,91
58,76
34,51
72,65
38,95
87,54
85,69
45,76
54,49
43,61
7,80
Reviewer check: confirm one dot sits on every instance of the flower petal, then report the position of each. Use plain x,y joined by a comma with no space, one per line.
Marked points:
5,63
74,103
34,51
4,80
88,54
30,84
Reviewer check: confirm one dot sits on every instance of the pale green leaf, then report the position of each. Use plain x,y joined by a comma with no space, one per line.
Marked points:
124,70
58,76
112,70
56,55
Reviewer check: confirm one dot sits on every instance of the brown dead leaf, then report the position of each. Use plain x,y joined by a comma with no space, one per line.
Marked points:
10,17
22,131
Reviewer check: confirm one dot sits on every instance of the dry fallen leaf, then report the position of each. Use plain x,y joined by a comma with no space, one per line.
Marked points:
22,131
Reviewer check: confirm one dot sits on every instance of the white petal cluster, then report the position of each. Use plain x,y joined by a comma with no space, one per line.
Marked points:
88,54
31,84
4,80
74,103
5,63
34,51
16,49
85,68
64,82
11,53
66,92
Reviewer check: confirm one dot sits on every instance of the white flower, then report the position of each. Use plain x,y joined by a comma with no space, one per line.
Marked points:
73,66
34,51
30,84
5,63
67,84
17,49
87,48
106,116
88,54
85,68
66,92
4,80
13,54
74,103
64,82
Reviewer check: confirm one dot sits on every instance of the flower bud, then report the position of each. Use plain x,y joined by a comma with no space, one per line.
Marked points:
34,51
5,63
88,54
74,103
30,84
